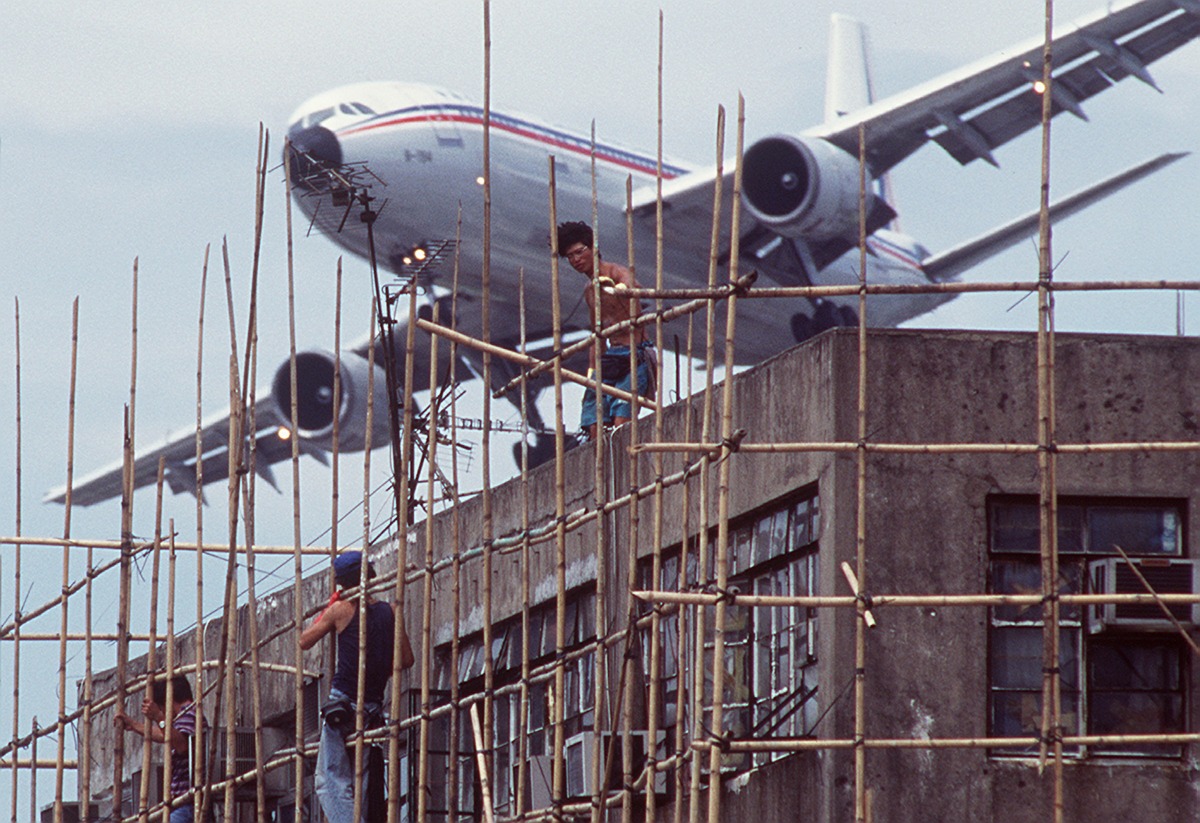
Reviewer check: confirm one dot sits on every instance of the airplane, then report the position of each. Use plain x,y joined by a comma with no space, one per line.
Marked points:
381,168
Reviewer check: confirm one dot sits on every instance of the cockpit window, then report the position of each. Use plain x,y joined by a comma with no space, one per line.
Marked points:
363,109
318,116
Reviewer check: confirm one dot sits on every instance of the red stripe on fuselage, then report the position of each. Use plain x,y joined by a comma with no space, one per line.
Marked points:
528,134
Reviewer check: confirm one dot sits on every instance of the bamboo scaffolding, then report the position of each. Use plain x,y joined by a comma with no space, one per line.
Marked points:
700,478
489,349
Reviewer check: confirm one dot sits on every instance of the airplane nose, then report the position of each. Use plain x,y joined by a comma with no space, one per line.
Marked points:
310,151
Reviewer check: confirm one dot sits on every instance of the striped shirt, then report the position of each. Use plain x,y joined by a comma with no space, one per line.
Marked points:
181,773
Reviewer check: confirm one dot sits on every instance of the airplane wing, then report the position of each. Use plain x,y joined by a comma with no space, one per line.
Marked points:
178,454
969,112
977,108
272,437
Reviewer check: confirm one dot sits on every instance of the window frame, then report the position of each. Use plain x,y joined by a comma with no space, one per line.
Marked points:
1079,545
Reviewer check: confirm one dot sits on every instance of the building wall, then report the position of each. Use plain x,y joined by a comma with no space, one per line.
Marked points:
926,533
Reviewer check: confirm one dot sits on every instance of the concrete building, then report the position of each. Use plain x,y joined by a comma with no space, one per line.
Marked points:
934,521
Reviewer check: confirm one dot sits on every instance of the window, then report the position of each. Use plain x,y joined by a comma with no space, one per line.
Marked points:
770,652
578,707
1115,680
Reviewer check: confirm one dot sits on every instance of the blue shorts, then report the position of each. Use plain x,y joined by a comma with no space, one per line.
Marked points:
615,407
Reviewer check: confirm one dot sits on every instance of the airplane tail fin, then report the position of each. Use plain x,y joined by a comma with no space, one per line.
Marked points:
848,85
848,73
950,263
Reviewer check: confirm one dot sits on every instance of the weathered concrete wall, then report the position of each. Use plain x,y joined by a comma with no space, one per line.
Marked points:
926,533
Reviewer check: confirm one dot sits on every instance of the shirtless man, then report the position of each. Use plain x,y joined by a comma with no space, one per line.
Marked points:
576,243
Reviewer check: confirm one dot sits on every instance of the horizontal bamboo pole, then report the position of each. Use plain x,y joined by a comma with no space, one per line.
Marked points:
878,600
77,543
525,360
39,764
25,636
930,288
846,446
704,296
781,744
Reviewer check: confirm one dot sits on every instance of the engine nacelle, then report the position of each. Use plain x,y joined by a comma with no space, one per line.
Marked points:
802,187
314,396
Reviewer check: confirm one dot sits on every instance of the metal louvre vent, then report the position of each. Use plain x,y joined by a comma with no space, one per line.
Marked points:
1164,575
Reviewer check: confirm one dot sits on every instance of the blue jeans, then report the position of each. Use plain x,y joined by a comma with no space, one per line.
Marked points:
615,407
183,814
335,774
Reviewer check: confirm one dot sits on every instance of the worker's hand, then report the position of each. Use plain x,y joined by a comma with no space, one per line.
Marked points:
151,710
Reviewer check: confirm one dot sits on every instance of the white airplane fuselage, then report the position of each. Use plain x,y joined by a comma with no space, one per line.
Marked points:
425,146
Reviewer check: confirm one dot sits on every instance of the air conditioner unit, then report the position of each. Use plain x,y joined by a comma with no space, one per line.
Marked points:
579,750
1166,575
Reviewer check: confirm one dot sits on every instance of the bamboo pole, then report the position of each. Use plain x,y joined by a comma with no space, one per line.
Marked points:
559,787
654,675
526,582
455,539
66,565
489,663
600,478
697,710
861,808
126,547
427,593
393,766
723,482
880,600
936,449
229,616
515,357
297,558
151,658
627,668
657,317
200,764
1051,722
17,595
169,709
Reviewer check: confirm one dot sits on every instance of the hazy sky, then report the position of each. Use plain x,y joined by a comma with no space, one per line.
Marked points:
129,130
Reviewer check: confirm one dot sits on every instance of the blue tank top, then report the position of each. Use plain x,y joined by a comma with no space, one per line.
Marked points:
380,634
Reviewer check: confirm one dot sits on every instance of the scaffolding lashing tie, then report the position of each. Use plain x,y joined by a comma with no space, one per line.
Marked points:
1051,738
726,596
734,441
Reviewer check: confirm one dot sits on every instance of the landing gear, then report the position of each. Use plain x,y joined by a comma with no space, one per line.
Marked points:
826,316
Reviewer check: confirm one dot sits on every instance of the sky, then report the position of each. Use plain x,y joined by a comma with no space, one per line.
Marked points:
129,131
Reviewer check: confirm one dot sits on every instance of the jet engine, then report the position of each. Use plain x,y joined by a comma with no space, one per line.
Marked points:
314,399
802,187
